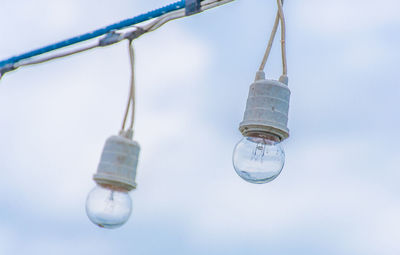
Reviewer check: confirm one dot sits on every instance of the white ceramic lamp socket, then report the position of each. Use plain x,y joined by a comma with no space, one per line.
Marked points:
118,163
109,205
267,108
259,157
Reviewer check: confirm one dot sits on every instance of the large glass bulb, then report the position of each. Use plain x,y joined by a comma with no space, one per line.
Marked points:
258,158
108,206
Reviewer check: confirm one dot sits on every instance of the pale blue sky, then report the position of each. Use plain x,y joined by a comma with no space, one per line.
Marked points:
338,193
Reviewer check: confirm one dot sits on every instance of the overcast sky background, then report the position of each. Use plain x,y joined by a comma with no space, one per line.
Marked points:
339,190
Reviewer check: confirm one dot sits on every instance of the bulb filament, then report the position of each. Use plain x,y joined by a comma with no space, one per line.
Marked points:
110,203
259,152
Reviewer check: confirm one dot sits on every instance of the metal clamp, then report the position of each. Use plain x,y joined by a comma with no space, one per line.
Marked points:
192,7
6,68
110,38
135,34
115,37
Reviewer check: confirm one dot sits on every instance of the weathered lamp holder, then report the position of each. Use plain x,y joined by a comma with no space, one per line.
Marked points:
118,163
267,108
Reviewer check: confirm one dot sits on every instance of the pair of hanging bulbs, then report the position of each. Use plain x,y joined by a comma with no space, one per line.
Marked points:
257,158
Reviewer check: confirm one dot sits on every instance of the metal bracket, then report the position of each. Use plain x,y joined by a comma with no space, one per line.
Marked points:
115,37
135,34
110,38
192,7
6,68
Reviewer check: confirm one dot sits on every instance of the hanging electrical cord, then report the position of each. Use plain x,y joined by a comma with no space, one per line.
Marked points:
133,88
270,43
280,18
111,38
283,37
131,98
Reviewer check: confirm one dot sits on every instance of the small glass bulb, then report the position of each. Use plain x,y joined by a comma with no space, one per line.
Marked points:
108,206
258,158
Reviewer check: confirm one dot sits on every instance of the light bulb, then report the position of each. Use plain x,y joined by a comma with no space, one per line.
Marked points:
258,158
108,206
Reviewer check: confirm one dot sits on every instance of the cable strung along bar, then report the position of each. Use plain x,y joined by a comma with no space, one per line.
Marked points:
99,32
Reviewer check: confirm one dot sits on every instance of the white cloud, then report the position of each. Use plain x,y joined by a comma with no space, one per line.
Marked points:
332,18
171,58
321,188
54,245
7,240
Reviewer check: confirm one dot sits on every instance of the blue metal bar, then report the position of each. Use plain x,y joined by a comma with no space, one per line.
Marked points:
120,25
